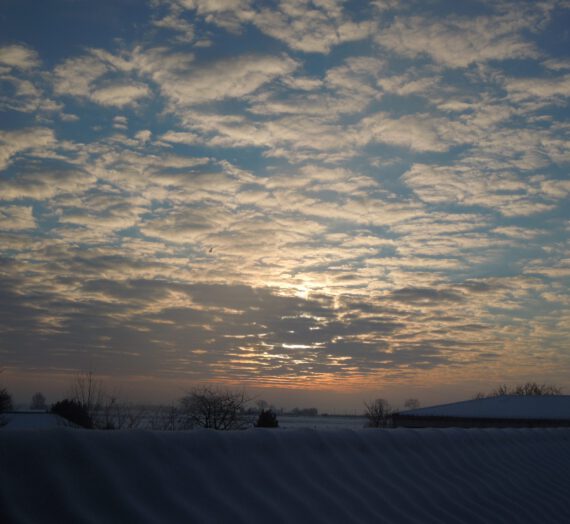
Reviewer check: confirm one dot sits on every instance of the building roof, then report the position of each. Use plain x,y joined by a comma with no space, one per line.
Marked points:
545,407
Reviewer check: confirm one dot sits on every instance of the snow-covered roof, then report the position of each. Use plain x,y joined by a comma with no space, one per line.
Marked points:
544,407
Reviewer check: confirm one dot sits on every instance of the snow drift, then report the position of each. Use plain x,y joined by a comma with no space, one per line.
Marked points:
402,475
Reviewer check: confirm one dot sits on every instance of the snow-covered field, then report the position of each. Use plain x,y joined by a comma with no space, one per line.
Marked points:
31,420
322,422
254,476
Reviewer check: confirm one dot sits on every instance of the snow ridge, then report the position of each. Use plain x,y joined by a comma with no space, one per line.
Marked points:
400,476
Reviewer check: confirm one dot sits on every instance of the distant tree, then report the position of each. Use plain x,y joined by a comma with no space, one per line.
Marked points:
5,400
527,389
165,418
87,390
113,414
305,412
38,401
262,405
214,408
378,412
73,411
412,403
267,419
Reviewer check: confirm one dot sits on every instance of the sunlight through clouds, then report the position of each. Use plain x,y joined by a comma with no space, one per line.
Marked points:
289,194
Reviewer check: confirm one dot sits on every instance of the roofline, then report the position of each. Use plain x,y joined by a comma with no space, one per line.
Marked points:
404,412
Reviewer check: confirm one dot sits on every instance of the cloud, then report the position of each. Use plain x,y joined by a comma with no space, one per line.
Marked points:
222,79
419,132
501,191
310,27
15,218
459,42
40,184
76,75
14,142
175,22
425,296
119,95
102,77
297,217
19,57
549,88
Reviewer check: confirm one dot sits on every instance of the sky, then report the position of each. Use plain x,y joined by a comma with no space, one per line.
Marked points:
311,199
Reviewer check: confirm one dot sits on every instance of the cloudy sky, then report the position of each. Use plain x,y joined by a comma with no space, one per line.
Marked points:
304,195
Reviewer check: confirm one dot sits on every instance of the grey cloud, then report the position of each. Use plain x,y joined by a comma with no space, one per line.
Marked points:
426,296
14,218
36,183
23,140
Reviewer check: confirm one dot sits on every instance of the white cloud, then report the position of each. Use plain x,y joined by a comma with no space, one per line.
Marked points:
174,21
120,94
102,77
181,137
229,78
76,75
459,42
18,56
419,132
311,27
521,88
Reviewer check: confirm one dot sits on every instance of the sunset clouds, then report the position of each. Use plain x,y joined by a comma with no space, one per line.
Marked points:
302,194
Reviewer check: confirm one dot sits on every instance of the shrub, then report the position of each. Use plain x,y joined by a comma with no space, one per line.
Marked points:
378,412
74,412
267,419
5,400
209,407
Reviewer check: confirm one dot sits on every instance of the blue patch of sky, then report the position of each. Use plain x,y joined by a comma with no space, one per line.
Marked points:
251,41
15,120
554,40
61,28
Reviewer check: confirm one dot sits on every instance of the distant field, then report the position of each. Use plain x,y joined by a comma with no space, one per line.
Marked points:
322,422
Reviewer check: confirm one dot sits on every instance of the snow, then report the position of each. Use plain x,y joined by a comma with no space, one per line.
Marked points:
546,407
320,422
32,420
258,476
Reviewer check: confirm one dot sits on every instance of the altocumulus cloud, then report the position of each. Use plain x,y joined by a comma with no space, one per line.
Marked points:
301,194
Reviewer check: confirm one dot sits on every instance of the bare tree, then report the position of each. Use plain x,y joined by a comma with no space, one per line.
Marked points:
215,408
378,412
113,414
527,389
38,401
165,418
88,391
